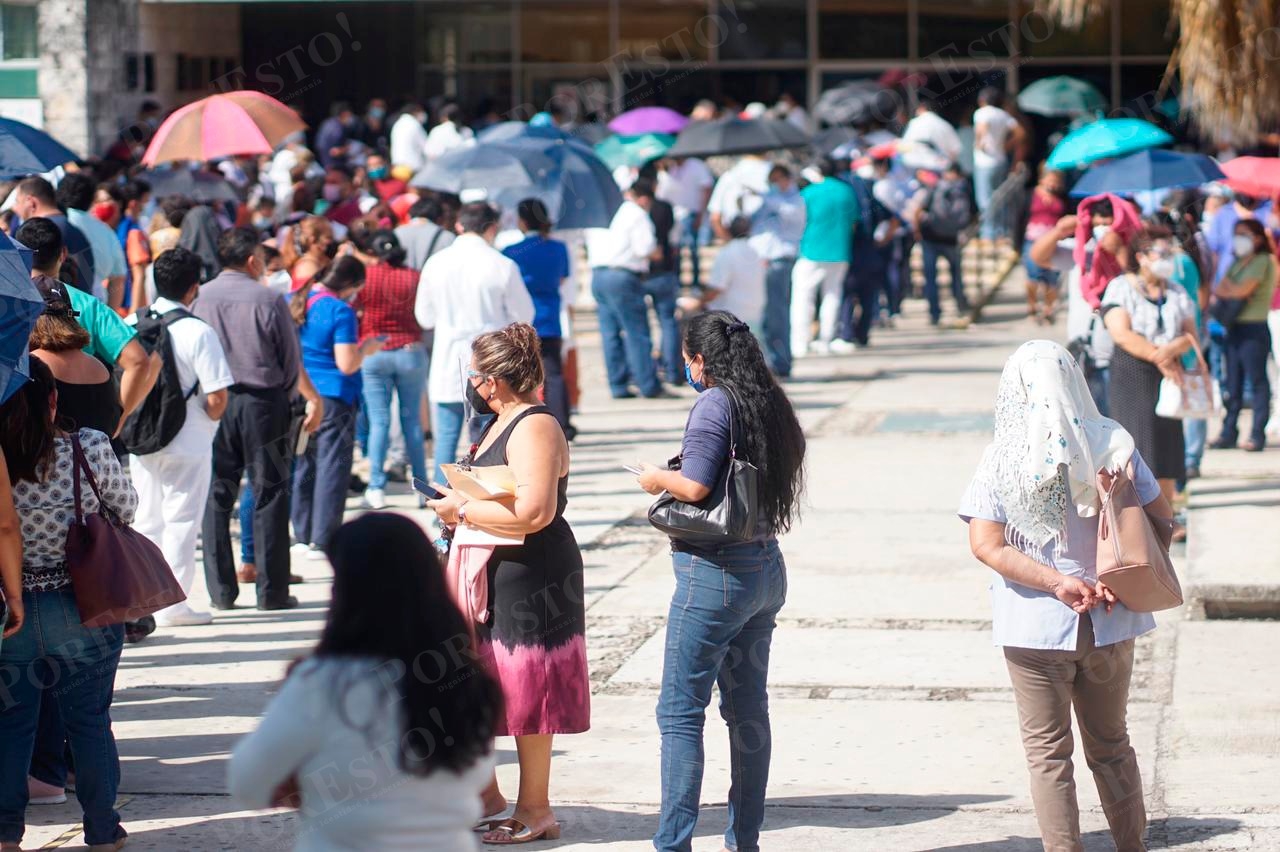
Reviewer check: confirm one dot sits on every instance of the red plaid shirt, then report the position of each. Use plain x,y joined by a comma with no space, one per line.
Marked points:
386,305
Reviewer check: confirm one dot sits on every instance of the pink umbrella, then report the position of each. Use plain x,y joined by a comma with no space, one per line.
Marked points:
1256,176
643,120
222,126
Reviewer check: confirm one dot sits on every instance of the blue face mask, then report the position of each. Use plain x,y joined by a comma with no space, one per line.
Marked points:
688,377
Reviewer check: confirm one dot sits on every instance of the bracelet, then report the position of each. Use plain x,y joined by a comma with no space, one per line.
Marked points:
462,514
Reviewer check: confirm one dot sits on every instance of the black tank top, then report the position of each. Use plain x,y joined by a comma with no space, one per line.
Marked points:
497,454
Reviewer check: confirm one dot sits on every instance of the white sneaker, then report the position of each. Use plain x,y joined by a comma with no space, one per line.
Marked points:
842,347
316,555
182,615
299,547
375,498
819,348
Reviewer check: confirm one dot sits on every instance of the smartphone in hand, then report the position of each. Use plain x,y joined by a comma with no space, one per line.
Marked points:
633,469
426,489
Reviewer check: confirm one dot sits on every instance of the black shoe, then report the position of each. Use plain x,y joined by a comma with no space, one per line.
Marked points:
223,606
661,393
136,631
1223,444
626,395
355,485
288,603
395,473
1193,472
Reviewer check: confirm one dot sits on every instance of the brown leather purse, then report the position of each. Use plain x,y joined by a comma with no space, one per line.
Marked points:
1133,547
117,574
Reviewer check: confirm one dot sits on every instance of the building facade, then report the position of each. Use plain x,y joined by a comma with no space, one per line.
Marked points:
94,61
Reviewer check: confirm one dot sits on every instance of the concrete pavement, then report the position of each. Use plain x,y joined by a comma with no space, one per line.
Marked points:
894,722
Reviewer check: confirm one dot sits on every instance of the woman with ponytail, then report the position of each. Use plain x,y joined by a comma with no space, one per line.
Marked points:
727,597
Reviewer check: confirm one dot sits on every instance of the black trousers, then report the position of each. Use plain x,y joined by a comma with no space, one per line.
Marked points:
254,437
554,390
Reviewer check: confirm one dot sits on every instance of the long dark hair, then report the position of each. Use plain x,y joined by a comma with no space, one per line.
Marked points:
1262,245
27,431
765,421
390,603
339,276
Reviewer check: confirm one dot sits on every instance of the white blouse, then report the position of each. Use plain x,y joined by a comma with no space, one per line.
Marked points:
1158,321
336,726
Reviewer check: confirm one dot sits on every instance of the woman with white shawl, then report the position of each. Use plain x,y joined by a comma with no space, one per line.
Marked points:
1032,511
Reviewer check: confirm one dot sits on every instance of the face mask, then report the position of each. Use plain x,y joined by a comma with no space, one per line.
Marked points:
280,282
104,211
688,377
1099,231
1243,245
377,113
379,173
1162,267
332,249
479,404
261,222
332,193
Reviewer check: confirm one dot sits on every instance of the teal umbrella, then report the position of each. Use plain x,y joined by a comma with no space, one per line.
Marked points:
634,151
1104,139
1061,96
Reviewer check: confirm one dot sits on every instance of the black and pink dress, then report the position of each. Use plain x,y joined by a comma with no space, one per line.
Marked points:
535,640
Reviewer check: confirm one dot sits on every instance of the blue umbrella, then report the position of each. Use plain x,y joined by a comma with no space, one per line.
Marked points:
1104,139
1147,170
25,150
20,305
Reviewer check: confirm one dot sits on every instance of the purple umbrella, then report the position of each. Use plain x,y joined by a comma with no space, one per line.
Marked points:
648,120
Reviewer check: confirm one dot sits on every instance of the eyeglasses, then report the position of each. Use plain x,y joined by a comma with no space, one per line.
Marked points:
475,374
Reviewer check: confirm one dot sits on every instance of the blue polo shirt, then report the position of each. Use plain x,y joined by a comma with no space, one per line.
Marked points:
831,211
330,321
544,264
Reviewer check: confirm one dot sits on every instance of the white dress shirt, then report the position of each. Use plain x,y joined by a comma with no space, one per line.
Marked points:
446,136
738,276
936,131
996,125
466,290
408,142
740,191
626,243
684,186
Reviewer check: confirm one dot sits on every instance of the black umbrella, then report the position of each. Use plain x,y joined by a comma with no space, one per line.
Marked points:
856,102
831,138
201,187
737,136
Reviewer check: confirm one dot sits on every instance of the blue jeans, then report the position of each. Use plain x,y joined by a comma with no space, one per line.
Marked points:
1194,435
1248,345
55,658
447,420
985,182
719,631
662,290
404,373
321,475
931,252
777,315
1099,381
689,238
624,329
862,287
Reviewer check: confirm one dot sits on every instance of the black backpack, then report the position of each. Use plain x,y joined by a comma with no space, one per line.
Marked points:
948,212
158,420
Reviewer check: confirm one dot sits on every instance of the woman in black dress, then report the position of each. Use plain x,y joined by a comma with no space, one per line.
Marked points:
533,637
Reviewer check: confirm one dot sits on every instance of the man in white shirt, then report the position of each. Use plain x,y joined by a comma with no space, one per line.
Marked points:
933,130
737,282
465,290
995,133
619,256
739,192
450,133
173,482
409,139
685,184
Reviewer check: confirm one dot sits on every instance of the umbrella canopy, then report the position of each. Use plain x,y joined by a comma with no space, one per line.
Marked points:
1102,140
1256,176
856,102
222,126
651,119
24,150
1147,170
505,131
567,176
1061,96
737,136
198,186
20,305
634,151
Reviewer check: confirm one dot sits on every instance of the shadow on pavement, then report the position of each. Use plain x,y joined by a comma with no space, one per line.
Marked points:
1161,834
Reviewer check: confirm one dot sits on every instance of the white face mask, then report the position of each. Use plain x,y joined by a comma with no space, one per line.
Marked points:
1099,231
280,282
1243,245
1162,267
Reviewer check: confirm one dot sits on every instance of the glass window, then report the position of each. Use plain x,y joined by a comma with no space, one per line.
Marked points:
564,32
974,31
480,92
1043,36
679,89
676,30
862,29
762,29
743,87
18,30
1145,28
581,90
475,33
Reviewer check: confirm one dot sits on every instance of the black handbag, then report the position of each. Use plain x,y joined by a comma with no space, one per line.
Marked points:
1227,311
729,514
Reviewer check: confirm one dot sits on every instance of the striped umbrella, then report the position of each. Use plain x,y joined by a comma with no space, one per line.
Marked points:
222,126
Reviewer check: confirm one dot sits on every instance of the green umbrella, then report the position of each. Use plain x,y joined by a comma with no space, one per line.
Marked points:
1061,96
634,151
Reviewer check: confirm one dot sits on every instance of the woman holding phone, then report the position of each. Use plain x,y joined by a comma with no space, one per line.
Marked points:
332,356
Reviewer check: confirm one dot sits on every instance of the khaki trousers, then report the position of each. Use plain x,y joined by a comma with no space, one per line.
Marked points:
1095,680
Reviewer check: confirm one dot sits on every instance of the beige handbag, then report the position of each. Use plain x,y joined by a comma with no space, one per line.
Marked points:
1133,547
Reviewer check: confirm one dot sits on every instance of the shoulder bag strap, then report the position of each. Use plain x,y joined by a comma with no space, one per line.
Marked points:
81,462
733,404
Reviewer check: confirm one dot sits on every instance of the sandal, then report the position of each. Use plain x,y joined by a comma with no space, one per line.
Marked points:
485,826
518,832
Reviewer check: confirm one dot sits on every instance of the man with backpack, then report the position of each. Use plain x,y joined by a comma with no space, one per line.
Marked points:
171,434
947,210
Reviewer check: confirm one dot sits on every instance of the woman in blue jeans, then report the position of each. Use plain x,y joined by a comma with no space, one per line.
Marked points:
332,356
727,596
75,665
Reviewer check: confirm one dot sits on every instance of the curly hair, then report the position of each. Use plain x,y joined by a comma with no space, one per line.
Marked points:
513,354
